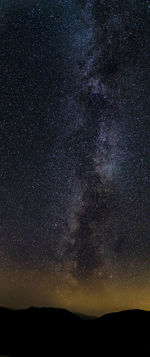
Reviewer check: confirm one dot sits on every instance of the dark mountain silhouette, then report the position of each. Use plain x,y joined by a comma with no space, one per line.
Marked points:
43,330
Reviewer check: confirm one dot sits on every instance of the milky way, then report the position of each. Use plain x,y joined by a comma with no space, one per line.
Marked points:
74,131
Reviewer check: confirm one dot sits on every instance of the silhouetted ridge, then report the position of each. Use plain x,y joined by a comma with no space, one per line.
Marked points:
23,332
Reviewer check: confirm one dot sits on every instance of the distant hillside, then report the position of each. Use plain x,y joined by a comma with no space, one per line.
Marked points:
26,332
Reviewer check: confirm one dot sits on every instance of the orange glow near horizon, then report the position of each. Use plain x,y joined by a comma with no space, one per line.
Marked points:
21,290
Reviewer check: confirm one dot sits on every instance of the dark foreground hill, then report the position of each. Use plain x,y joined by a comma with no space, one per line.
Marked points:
37,331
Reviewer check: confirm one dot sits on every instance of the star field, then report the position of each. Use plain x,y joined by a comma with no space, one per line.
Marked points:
74,157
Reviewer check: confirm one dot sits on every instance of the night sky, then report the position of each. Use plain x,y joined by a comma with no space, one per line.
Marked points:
75,154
